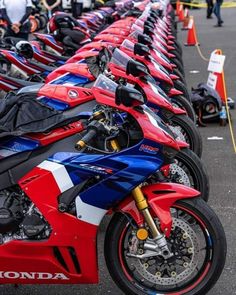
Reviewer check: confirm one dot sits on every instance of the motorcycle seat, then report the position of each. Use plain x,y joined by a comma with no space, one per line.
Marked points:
62,58
21,82
42,66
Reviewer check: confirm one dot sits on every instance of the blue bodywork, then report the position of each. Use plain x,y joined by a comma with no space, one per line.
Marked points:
14,145
119,173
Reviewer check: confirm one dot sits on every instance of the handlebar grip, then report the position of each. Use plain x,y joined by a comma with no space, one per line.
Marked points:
86,139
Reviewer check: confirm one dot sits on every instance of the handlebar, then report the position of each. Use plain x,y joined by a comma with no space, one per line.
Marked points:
86,139
93,129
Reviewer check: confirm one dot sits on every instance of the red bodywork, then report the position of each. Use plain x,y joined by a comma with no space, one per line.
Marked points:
21,63
152,66
62,93
68,232
51,42
39,257
97,45
81,56
56,134
73,68
152,97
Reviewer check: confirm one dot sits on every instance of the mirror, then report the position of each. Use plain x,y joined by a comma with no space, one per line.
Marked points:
148,23
148,30
141,49
136,69
128,96
151,19
144,39
157,12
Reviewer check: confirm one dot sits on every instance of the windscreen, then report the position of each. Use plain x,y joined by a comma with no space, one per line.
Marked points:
105,83
120,58
128,45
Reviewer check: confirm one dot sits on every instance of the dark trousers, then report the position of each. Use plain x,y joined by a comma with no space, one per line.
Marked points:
210,6
77,8
216,10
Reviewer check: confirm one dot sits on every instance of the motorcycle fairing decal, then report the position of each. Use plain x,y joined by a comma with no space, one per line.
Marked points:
69,79
89,213
22,64
40,54
32,275
49,40
59,173
127,173
85,212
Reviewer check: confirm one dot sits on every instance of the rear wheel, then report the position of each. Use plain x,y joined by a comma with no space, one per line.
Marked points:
197,242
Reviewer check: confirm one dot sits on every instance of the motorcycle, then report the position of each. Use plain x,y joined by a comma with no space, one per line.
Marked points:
186,168
161,239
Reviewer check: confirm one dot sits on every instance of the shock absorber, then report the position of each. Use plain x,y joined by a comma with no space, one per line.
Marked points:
158,242
142,205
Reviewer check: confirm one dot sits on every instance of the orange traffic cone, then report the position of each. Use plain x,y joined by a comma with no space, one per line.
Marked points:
186,19
177,7
220,86
192,35
220,82
181,13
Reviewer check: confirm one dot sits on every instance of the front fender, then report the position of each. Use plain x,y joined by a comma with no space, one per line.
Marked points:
161,198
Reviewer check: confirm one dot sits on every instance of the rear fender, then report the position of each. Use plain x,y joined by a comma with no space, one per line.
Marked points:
161,198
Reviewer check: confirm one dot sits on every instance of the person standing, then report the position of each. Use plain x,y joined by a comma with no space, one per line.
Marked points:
210,6
216,11
16,13
52,6
77,8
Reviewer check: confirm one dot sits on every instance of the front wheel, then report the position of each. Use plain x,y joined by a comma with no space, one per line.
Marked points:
197,242
188,169
187,131
181,102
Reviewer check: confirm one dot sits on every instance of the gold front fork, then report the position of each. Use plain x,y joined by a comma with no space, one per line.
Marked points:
142,205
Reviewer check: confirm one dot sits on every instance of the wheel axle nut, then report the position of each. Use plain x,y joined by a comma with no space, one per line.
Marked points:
142,234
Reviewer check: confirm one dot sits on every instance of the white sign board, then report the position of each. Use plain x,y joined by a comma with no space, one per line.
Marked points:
216,63
212,79
190,24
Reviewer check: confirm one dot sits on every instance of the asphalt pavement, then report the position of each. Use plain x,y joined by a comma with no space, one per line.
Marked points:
218,156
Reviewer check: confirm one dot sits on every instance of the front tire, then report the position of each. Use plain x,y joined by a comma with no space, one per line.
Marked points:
191,218
181,102
194,168
188,129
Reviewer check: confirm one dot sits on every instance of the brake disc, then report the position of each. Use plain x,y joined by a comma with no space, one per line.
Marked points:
177,130
177,269
177,173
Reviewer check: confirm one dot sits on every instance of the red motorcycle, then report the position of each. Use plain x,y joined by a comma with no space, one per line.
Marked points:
161,239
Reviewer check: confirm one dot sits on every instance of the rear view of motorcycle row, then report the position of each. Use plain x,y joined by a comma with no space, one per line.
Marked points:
96,120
